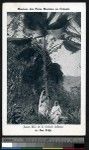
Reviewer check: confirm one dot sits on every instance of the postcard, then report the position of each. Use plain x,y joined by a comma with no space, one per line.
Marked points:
44,69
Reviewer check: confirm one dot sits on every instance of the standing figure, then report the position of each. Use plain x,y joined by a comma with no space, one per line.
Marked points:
43,107
55,113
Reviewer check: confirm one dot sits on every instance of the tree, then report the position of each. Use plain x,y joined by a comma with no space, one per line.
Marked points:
68,23
40,21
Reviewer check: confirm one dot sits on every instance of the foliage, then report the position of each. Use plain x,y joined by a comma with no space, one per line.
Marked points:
25,82
24,102
67,24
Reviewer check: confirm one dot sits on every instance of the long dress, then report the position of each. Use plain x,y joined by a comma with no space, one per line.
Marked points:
55,114
43,105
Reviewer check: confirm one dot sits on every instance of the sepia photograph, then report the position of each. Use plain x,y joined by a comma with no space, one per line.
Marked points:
43,67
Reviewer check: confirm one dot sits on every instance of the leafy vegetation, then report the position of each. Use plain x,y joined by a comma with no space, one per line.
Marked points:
30,68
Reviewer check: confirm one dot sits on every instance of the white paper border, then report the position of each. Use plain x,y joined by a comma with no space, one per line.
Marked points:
63,130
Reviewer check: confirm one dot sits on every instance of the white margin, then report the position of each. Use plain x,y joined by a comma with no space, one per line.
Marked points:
64,130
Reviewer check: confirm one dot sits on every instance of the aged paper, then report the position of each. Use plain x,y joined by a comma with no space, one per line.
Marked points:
44,69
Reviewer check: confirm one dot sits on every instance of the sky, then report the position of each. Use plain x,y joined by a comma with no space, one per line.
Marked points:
70,63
